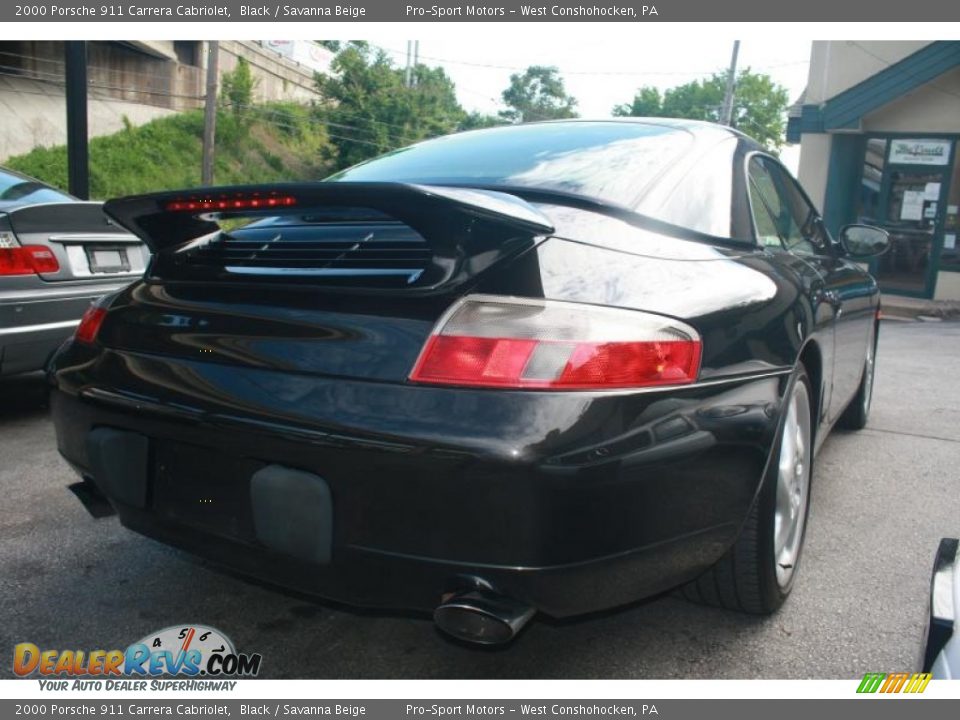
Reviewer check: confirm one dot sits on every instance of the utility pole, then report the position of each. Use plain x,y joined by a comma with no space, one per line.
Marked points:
210,113
726,115
416,61
78,167
408,75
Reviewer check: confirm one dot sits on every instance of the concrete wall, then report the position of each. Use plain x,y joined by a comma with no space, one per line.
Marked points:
948,286
278,78
135,72
814,163
141,80
34,114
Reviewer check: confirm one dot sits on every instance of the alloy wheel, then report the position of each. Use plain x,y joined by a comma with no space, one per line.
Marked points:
793,485
868,378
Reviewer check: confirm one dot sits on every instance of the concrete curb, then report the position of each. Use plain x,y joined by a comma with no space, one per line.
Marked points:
901,308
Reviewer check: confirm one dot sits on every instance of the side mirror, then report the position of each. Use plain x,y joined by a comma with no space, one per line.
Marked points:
863,242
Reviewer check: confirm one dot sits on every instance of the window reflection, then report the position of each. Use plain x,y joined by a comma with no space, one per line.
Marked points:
612,161
874,158
21,190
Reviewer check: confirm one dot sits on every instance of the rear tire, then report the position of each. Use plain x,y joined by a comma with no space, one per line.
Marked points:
757,573
858,411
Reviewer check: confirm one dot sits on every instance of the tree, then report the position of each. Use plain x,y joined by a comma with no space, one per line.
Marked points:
646,103
370,110
477,121
537,94
237,87
759,107
338,45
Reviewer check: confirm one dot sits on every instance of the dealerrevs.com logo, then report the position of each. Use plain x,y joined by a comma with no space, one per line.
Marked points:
900,682
190,651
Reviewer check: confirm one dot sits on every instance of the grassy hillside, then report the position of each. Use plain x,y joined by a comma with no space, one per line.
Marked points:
276,142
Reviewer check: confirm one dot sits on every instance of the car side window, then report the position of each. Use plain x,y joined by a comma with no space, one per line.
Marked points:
765,204
788,214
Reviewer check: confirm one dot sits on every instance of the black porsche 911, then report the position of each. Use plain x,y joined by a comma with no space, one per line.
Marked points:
552,367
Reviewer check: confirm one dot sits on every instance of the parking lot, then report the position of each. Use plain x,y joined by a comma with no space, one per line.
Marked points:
881,500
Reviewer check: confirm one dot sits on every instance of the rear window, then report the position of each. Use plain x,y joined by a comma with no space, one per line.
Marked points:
21,190
610,161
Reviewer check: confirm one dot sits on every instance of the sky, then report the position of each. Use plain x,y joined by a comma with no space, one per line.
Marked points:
600,73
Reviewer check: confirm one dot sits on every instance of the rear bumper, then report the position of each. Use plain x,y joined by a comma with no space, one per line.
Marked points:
571,502
35,322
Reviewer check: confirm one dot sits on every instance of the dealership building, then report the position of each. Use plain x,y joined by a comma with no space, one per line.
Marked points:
879,131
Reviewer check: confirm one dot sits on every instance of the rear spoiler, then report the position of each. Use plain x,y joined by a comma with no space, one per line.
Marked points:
444,216
60,217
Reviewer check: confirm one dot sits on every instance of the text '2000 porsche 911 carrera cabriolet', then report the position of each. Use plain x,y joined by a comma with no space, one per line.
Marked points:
553,367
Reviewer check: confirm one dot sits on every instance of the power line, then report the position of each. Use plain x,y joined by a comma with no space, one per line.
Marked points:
57,79
366,135
278,112
627,73
60,64
153,76
450,61
396,134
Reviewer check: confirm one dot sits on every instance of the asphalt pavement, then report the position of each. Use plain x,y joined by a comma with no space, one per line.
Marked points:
881,500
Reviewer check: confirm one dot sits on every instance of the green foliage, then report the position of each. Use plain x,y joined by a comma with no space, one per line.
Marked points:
370,110
237,88
537,94
338,45
759,108
477,121
646,103
277,142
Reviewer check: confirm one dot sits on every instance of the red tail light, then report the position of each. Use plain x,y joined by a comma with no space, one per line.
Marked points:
488,341
225,203
90,325
27,260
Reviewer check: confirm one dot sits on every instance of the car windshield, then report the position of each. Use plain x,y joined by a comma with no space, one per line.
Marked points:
21,190
610,161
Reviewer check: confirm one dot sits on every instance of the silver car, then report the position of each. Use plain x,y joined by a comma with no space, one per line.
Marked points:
57,255
941,655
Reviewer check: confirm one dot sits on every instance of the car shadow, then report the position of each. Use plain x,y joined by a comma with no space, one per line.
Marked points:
23,396
132,586
551,641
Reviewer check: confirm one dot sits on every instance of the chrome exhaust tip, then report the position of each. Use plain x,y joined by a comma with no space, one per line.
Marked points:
482,617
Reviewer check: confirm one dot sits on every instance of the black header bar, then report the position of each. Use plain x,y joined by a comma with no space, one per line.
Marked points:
301,11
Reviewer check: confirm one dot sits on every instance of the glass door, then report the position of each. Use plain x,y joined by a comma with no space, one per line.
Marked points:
905,193
950,250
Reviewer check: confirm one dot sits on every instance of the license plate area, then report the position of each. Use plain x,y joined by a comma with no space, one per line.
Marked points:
203,488
107,259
